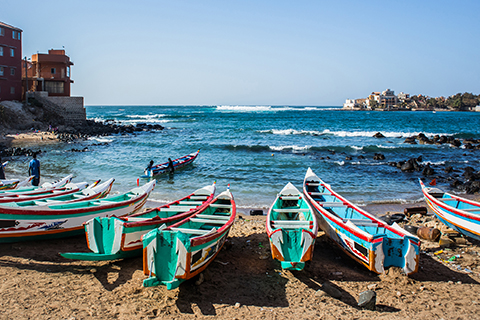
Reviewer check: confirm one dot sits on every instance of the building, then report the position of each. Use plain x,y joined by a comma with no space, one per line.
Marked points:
50,72
10,62
388,99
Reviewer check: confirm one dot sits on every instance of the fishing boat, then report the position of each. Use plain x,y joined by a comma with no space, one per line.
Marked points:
182,250
71,188
38,200
8,184
365,238
291,228
120,237
177,164
25,187
460,214
66,219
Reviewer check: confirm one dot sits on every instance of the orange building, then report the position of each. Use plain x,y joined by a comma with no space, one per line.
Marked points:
49,72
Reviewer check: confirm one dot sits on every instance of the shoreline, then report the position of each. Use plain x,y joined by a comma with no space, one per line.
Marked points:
13,138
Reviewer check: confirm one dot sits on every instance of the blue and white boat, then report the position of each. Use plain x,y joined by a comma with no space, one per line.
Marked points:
367,239
460,214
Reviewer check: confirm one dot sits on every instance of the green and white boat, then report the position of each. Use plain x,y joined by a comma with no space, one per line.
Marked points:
173,254
113,237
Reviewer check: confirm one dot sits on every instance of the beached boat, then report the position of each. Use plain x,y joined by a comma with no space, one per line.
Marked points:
365,238
456,212
177,164
292,228
27,201
8,184
179,252
66,219
41,193
120,237
25,186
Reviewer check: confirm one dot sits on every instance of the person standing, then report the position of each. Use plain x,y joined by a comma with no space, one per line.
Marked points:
34,170
2,172
170,166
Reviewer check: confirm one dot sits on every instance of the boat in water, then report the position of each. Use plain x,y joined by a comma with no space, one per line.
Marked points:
177,164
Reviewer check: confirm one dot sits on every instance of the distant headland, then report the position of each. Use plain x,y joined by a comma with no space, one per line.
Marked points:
388,101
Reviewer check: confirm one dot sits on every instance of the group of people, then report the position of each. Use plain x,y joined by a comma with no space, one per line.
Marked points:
171,168
33,170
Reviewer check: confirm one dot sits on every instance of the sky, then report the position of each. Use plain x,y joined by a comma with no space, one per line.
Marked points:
254,52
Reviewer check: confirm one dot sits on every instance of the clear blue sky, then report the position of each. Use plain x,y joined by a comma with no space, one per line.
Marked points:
154,52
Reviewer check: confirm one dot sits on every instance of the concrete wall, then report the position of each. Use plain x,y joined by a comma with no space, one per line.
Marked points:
71,108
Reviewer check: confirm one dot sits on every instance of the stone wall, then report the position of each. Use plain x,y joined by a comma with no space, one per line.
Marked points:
70,108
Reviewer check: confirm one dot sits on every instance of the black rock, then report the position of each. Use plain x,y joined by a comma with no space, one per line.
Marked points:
378,135
378,156
428,171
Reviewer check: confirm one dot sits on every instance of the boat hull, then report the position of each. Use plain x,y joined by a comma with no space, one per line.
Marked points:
368,240
177,164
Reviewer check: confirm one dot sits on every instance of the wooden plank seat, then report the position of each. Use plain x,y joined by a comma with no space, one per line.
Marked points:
209,221
296,222
178,208
198,197
447,199
227,206
362,222
320,193
313,184
291,210
290,198
191,231
191,202
291,224
211,216
470,209
134,219
332,204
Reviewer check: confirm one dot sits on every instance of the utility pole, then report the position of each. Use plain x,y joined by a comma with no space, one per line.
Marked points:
26,81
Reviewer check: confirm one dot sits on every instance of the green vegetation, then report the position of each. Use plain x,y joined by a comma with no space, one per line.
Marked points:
459,102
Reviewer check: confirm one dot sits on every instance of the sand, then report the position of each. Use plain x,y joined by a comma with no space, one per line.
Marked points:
20,138
242,282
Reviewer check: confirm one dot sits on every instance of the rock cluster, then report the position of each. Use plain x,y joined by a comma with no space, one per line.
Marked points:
10,152
421,138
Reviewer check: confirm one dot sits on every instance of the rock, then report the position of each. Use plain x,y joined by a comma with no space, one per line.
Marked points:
237,305
378,135
448,169
331,290
367,300
428,171
372,286
410,140
378,156
361,157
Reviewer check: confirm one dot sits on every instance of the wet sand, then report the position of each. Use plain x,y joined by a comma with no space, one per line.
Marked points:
243,282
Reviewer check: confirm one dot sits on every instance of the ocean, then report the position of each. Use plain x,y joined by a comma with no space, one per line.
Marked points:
259,149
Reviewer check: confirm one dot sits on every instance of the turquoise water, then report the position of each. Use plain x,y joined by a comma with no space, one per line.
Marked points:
258,149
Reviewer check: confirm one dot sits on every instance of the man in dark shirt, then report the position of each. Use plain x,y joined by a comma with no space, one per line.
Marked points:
34,170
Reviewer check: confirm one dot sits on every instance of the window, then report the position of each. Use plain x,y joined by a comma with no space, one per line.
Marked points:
12,71
16,35
1,71
12,90
68,72
12,52
54,87
2,31
53,71
1,51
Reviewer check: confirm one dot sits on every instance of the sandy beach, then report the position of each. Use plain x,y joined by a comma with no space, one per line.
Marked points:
20,138
242,282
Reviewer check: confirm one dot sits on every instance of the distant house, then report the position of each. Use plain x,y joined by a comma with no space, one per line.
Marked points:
50,72
10,62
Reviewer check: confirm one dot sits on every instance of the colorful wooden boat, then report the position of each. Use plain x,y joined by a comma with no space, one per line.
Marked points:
90,193
120,237
177,164
25,187
8,184
179,252
460,214
367,239
71,188
291,228
66,219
